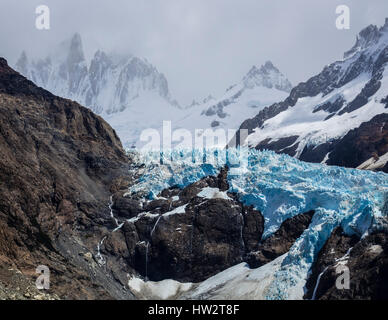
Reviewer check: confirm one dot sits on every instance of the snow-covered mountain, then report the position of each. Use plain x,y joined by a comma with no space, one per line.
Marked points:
127,91
258,88
133,96
337,117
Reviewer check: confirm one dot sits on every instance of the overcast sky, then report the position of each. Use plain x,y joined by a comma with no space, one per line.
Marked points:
202,46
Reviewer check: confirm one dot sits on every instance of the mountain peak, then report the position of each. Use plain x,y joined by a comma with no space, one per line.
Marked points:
385,26
100,55
268,65
4,68
76,52
22,63
367,37
76,38
267,76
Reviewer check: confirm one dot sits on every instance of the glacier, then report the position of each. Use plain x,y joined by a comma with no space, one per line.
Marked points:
280,187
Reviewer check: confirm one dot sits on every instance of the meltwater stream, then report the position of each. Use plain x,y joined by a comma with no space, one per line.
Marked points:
148,245
100,258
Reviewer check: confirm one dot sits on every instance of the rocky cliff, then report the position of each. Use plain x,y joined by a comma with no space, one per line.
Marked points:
58,164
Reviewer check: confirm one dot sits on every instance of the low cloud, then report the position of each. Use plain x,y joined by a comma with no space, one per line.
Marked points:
201,46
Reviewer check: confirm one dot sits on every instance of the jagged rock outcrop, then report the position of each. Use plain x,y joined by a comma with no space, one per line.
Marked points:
267,76
58,161
367,263
281,241
109,84
188,235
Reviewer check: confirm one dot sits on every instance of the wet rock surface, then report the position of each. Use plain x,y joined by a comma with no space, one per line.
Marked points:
367,263
335,248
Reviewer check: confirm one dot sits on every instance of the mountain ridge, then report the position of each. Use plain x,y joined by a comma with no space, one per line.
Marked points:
133,96
68,74
319,113
58,164
259,87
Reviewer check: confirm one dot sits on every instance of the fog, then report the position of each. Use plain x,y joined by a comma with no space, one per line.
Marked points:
202,46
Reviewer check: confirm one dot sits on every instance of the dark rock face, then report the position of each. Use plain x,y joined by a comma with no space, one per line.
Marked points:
363,97
280,145
367,261
385,100
335,248
252,229
358,145
212,242
126,208
316,154
331,107
190,238
281,241
58,161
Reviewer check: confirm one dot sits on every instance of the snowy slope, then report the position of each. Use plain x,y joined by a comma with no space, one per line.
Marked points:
280,187
259,87
311,127
319,113
238,283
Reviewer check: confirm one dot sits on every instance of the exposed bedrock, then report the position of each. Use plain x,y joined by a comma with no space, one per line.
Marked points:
187,236
194,233
366,261
281,241
57,165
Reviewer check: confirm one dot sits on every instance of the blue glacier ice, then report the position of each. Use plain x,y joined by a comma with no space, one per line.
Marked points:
178,169
282,187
